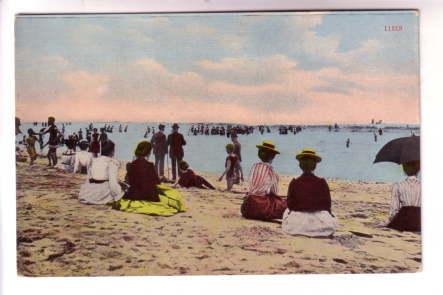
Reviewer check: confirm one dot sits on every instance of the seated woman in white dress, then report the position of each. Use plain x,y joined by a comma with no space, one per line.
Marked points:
66,163
102,185
83,158
309,201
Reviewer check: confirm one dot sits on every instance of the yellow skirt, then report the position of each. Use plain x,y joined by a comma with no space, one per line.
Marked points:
171,203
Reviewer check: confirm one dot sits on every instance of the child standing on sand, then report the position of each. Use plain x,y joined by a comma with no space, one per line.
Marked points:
232,168
30,146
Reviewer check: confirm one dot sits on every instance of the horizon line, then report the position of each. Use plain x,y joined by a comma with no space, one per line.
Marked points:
230,123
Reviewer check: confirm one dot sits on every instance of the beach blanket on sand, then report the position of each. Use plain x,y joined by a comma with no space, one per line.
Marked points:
171,203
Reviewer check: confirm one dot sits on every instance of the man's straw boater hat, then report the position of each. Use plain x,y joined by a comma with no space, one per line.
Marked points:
308,153
267,145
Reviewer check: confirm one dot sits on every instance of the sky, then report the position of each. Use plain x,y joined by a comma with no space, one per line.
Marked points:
251,68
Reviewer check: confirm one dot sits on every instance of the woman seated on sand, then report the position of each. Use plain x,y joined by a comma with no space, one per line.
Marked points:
309,201
406,201
262,201
66,163
145,195
83,158
141,176
189,179
102,185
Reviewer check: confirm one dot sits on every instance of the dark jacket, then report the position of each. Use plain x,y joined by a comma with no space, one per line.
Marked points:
159,144
176,141
187,179
142,179
309,193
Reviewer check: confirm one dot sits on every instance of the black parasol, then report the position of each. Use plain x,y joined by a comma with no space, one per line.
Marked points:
400,150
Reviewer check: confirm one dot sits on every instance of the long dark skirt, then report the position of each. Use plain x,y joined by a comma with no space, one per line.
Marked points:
263,207
407,219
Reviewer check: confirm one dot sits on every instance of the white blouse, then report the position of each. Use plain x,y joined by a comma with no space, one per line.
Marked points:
82,159
405,193
105,168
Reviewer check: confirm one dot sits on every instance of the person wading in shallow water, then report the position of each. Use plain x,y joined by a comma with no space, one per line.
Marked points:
53,141
176,141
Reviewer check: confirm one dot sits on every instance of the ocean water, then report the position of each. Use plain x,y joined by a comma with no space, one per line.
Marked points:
207,153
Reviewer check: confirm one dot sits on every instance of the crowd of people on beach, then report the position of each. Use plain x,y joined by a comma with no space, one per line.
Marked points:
305,210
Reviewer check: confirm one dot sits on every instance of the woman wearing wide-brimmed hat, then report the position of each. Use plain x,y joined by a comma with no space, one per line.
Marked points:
262,201
309,201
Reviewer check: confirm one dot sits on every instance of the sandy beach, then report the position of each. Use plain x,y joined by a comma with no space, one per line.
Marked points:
58,236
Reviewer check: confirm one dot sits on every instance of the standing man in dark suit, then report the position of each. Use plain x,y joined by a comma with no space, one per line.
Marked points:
176,141
160,147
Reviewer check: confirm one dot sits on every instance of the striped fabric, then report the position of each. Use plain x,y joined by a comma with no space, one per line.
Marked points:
405,193
263,180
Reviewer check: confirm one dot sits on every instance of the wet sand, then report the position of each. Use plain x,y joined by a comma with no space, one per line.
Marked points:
58,236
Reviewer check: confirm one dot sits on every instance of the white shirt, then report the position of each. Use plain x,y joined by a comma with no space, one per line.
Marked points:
263,180
82,159
405,193
105,168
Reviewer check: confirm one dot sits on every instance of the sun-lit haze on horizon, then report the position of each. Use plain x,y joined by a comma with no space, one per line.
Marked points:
251,68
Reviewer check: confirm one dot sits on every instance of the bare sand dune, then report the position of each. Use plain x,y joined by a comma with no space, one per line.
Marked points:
58,236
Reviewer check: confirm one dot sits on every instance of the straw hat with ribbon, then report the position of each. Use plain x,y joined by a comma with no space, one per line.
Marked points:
308,153
267,145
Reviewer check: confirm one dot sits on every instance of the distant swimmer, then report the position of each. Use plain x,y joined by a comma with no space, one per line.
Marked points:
348,143
375,137
126,128
380,131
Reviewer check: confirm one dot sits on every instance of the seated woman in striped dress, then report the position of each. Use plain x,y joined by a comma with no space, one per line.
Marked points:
405,213
262,201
